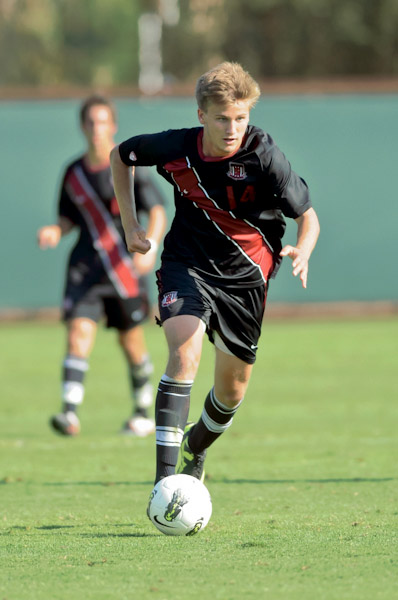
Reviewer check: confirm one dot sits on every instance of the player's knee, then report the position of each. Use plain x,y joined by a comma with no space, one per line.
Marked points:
183,364
230,398
230,390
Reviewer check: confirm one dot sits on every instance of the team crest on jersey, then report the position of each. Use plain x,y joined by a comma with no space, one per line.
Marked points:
132,156
169,298
236,171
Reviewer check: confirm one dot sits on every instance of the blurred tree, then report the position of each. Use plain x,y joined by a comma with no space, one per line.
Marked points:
95,42
27,42
98,41
68,41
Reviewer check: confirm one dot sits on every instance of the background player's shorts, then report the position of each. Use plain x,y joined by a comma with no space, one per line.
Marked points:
101,300
234,314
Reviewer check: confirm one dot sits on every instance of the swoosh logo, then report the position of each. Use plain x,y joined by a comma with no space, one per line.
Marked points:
155,518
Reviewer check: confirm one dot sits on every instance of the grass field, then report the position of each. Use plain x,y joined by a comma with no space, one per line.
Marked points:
304,485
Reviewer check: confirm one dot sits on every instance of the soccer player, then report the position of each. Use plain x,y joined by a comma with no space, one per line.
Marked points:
233,187
103,279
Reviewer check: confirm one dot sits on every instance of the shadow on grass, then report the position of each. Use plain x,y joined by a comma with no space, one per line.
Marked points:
52,527
118,535
93,535
291,481
99,483
224,480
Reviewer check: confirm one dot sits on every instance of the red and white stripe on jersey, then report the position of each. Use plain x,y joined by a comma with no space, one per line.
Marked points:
107,240
249,240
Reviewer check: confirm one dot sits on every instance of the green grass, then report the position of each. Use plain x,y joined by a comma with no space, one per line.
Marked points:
304,485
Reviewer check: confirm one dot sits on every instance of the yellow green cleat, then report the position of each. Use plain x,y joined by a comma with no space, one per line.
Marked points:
188,462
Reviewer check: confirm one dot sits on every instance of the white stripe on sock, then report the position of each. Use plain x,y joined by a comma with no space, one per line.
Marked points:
212,425
73,362
169,436
72,392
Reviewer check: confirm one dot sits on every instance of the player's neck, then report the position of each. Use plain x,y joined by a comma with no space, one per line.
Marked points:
96,159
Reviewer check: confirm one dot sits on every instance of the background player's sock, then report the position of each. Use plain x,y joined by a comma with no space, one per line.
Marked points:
172,407
141,388
214,420
74,371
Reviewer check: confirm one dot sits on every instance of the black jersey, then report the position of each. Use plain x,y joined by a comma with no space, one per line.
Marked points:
87,199
229,218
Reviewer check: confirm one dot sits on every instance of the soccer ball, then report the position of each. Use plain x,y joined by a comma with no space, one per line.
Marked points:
179,505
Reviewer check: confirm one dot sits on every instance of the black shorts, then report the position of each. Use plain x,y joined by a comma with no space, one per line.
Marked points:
235,315
96,301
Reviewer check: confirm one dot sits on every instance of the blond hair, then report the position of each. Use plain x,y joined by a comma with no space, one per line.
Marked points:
226,83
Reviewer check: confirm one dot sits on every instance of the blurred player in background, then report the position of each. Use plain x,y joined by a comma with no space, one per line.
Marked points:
232,187
102,277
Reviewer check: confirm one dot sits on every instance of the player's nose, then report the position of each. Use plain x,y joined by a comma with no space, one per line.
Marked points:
231,127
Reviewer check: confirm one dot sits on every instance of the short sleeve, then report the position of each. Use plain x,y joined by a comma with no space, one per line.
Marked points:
289,188
153,149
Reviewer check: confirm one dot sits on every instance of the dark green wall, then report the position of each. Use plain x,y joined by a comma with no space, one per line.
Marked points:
344,146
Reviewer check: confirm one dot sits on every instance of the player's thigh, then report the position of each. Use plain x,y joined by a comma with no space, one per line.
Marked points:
133,344
231,378
184,335
81,336
185,308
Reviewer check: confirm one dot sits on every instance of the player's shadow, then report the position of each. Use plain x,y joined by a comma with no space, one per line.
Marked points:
94,534
98,483
53,527
293,481
117,535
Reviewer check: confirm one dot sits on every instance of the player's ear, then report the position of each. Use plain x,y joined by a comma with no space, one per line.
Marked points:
201,116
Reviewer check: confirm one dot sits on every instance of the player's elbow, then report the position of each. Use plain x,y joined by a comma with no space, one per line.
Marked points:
115,156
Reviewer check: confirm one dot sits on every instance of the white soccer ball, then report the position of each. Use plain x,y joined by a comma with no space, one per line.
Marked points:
179,505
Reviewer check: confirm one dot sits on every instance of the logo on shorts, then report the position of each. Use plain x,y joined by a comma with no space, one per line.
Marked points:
169,298
236,171
137,315
132,156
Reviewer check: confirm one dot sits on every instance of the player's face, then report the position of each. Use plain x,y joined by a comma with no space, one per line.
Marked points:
224,126
99,127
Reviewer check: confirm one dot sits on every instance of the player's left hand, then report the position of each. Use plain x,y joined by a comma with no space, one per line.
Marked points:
300,262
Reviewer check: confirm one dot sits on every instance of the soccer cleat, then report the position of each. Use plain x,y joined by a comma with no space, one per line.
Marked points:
139,426
190,463
66,423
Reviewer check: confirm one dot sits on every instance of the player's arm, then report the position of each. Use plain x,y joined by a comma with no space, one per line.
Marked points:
50,235
123,183
307,236
144,263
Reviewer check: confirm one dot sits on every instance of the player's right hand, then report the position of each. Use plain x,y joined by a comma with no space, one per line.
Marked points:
49,236
137,242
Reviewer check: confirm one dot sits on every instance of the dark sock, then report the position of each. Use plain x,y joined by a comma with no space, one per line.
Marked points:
73,375
141,388
172,407
215,419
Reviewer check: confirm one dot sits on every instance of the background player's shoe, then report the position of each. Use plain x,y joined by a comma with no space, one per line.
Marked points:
139,426
190,463
66,423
